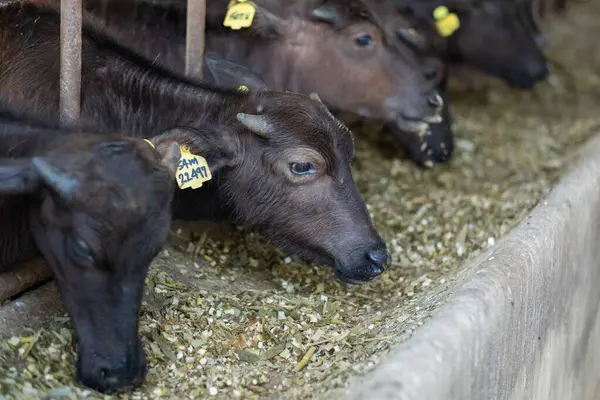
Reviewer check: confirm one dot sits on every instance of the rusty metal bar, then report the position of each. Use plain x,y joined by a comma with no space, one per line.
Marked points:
194,38
70,60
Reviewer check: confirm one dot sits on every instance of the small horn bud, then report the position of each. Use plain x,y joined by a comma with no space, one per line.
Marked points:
256,123
325,13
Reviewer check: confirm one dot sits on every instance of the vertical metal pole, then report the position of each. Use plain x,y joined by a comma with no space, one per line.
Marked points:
194,38
70,60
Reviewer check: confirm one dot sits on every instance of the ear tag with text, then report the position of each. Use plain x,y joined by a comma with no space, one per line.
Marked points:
240,14
193,170
447,23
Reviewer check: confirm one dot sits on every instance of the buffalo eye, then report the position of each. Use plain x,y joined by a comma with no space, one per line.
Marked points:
302,168
430,74
79,251
364,40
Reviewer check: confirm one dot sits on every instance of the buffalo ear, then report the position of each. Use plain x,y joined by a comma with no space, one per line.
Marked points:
65,186
268,22
230,75
314,96
17,176
216,147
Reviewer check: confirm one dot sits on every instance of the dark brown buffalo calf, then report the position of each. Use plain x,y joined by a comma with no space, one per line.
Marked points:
98,209
435,144
334,48
499,37
280,161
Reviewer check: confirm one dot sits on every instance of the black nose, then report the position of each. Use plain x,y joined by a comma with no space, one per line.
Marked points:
540,73
435,100
377,259
112,376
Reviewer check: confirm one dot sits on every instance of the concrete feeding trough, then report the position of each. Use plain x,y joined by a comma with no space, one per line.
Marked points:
524,324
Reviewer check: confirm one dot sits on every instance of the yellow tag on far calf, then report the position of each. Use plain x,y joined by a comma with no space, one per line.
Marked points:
447,23
193,170
243,89
440,12
150,143
240,14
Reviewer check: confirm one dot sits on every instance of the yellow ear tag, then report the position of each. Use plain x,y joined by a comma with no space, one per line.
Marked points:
440,12
240,14
192,171
447,23
150,143
243,89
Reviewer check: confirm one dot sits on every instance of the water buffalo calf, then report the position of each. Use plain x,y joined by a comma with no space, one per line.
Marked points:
98,209
499,37
280,160
335,48
436,144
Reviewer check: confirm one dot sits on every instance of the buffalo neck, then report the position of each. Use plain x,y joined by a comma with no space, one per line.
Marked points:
145,100
132,23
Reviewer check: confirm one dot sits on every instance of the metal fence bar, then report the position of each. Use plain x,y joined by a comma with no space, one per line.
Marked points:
70,60
194,39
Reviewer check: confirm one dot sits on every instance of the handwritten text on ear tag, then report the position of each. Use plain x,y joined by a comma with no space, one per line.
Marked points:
240,14
193,170
447,23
